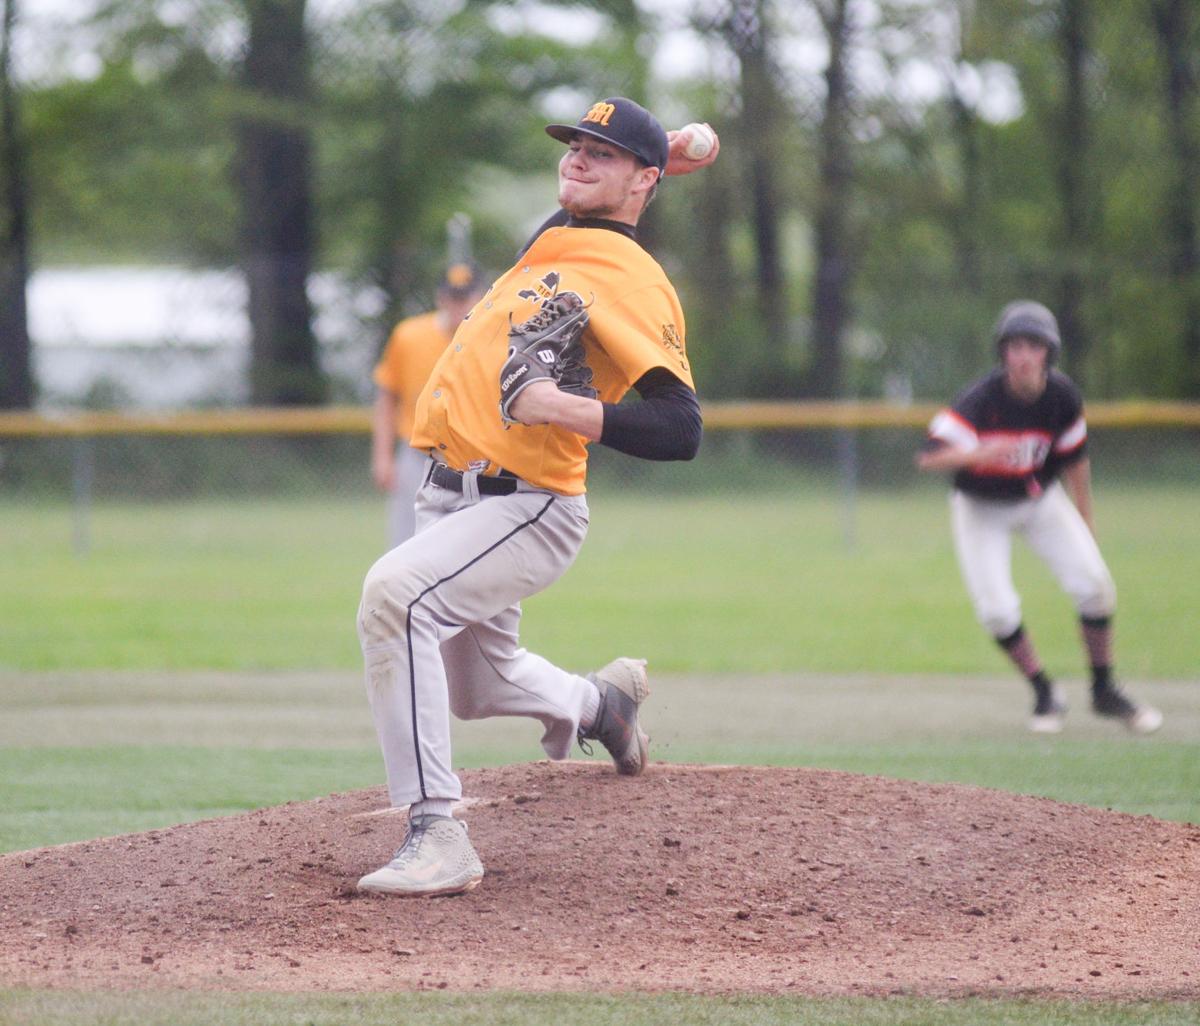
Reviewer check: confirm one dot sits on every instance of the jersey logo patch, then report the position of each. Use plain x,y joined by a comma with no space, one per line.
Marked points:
1028,456
546,288
542,292
671,341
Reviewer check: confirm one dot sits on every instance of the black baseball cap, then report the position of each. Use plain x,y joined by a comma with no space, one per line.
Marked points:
461,279
623,123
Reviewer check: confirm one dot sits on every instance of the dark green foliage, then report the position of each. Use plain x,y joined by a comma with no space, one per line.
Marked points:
952,207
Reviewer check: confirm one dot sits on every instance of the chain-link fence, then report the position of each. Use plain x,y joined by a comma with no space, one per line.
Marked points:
146,467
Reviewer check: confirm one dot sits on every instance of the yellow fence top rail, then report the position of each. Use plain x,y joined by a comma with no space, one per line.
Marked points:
324,420
296,420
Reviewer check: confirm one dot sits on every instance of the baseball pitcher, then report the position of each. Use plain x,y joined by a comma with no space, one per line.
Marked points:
533,375
1008,439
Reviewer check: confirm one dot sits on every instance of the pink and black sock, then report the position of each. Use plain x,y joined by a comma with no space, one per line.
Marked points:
1024,656
1097,641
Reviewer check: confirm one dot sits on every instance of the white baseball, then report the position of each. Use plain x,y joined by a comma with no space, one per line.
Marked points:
701,141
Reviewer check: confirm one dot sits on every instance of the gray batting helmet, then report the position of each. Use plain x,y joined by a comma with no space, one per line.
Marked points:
1031,320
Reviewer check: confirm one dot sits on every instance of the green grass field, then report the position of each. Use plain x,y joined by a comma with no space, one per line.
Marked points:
85,755
201,660
174,1009
764,583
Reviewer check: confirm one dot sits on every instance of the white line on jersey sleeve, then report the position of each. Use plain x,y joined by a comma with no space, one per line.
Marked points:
1073,437
950,428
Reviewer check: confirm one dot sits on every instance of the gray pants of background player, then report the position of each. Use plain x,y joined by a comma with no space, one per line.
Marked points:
411,465
438,628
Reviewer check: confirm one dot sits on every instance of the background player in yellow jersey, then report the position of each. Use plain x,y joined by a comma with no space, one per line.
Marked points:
411,351
503,511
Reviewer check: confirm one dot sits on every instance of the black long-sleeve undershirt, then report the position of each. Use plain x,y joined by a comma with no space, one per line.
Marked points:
665,424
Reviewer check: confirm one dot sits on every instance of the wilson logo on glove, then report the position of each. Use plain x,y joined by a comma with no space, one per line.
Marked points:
513,378
547,347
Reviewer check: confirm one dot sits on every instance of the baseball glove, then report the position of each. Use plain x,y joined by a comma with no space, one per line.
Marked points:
547,347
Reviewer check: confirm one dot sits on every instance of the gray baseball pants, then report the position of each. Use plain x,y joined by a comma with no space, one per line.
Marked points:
411,467
438,627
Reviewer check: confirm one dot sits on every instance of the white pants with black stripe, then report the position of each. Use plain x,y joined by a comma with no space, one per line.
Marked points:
438,627
1055,531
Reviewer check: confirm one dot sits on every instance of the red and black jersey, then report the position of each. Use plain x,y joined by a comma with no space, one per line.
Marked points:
1051,431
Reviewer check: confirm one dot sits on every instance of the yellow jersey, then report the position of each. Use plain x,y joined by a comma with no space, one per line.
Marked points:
635,325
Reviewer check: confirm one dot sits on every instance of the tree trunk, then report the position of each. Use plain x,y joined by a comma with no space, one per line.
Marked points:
1074,186
760,133
16,374
831,285
717,285
965,124
966,223
1176,38
274,172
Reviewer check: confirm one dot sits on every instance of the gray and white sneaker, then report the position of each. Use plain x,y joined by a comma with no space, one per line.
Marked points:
623,687
1113,702
436,858
1049,712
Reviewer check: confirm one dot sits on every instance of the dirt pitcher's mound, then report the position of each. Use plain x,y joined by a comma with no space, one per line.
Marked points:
705,879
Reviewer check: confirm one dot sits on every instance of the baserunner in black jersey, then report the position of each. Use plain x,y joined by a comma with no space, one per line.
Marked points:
1008,439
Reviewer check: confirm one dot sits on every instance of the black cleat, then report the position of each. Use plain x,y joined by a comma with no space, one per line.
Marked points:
1112,702
1049,711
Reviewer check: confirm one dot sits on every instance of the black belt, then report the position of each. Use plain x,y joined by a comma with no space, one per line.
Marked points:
451,479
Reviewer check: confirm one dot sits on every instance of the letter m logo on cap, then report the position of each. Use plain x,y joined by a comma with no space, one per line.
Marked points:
600,113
